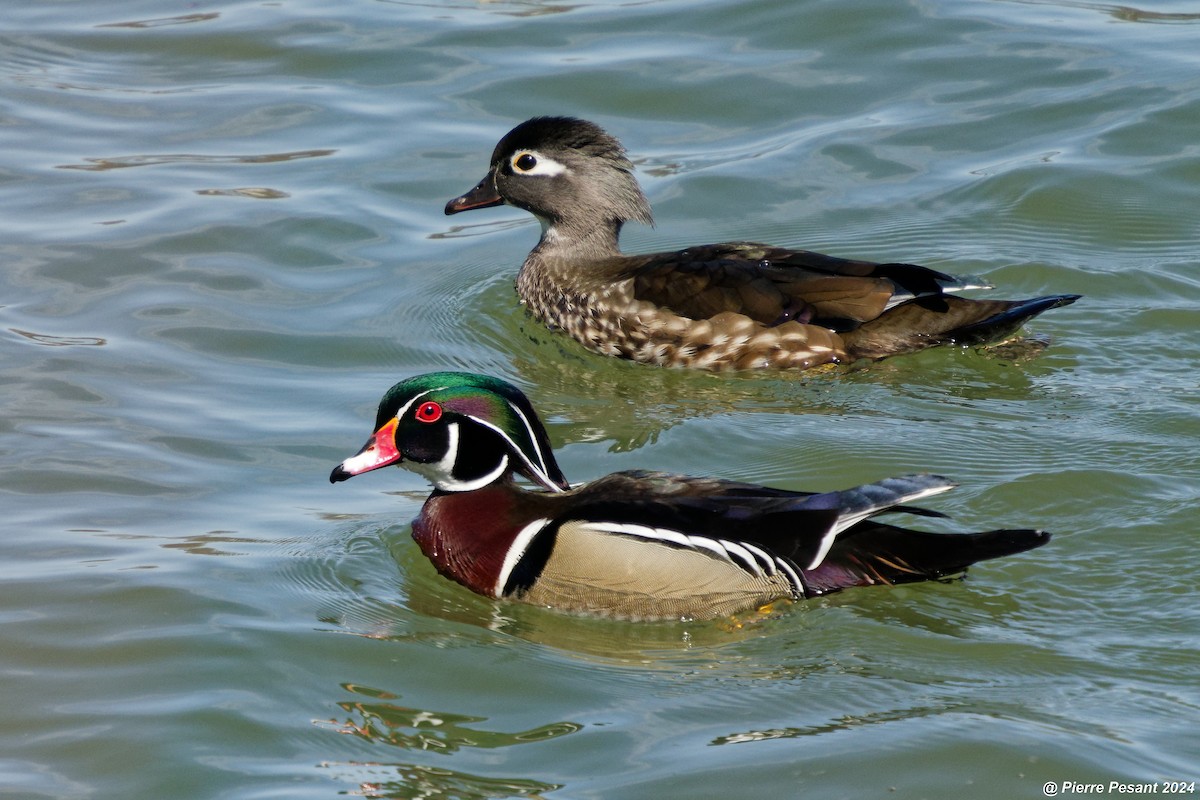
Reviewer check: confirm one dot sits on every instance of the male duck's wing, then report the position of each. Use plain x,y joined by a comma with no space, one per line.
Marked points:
641,544
719,515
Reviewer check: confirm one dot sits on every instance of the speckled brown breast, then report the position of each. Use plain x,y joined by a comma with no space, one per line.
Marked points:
605,318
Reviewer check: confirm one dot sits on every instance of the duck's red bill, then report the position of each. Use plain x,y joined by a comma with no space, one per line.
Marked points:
379,451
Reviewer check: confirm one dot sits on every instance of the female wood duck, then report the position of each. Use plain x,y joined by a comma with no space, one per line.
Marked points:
737,305
638,545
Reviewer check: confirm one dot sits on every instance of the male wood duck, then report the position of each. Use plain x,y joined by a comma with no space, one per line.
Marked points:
638,545
737,305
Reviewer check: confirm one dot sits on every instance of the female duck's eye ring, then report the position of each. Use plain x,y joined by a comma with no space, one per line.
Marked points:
429,412
527,162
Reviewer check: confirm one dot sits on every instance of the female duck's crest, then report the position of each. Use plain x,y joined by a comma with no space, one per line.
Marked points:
461,431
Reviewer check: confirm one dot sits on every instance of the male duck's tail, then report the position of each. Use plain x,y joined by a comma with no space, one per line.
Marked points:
872,553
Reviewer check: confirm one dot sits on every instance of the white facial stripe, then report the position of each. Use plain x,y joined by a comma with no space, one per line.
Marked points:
516,552
404,408
539,468
541,465
441,473
446,465
545,166
448,483
479,483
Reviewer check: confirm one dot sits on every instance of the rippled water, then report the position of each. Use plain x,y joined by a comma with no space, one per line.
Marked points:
223,239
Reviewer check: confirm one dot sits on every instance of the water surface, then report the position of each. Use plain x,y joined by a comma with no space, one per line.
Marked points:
223,239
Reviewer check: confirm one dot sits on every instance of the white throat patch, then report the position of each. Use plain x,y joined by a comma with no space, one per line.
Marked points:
441,473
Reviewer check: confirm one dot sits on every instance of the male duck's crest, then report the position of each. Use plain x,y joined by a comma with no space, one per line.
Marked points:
734,305
639,544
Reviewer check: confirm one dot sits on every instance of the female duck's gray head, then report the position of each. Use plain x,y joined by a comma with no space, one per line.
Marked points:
567,172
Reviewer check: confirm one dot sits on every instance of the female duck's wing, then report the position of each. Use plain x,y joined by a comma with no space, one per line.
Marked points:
774,285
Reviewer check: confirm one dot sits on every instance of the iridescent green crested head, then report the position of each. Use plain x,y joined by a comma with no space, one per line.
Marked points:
460,430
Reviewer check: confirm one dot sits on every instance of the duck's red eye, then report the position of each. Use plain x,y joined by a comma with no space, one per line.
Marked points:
429,412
